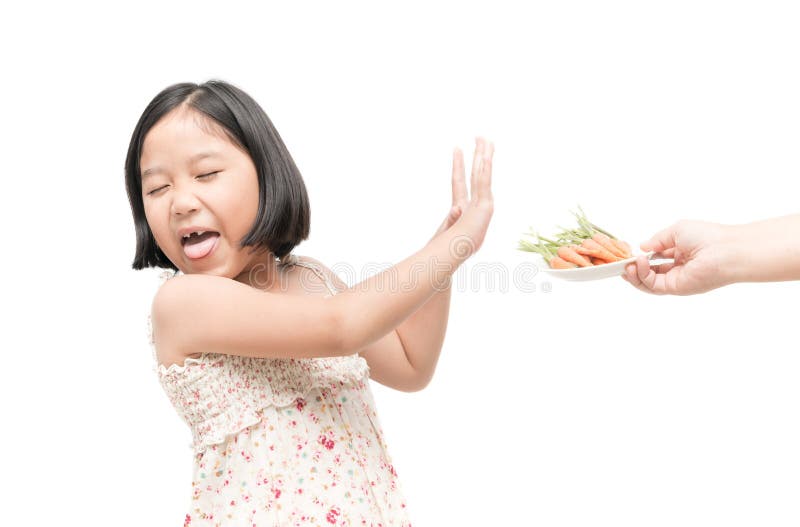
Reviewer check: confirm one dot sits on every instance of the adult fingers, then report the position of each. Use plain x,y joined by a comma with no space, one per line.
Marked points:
655,282
638,286
632,278
641,276
661,241
663,268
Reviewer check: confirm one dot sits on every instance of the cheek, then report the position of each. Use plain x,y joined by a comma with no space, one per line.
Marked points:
158,221
238,210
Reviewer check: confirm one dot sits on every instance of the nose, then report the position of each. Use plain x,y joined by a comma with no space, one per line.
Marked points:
184,201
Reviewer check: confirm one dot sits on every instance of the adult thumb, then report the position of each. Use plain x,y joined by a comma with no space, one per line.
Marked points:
661,241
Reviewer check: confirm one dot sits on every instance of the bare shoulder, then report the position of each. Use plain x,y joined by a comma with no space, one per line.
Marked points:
167,302
333,277
174,293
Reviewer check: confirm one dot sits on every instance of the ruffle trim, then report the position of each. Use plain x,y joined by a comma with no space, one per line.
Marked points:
343,370
176,368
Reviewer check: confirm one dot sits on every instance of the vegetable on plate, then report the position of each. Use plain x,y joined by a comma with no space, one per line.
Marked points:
585,246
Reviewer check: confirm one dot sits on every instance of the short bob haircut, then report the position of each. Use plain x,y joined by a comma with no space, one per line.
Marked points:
283,218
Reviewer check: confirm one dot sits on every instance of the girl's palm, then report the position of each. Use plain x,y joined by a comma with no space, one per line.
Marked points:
471,213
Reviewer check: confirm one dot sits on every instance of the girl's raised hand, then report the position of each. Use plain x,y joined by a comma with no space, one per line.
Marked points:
470,214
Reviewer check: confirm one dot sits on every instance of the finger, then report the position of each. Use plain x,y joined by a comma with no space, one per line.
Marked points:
485,183
476,167
459,178
640,287
632,278
668,253
653,281
663,268
661,241
630,272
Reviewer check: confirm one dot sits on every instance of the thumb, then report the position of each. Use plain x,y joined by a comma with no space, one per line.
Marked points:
455,212
661,241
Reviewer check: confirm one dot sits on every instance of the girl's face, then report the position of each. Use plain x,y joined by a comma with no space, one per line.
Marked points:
192,178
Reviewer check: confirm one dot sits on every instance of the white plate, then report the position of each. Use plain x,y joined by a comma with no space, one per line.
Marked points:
596,272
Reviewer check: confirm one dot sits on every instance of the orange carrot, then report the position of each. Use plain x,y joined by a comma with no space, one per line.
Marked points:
624,247
598,261
592,248
567,252
557,262
608,244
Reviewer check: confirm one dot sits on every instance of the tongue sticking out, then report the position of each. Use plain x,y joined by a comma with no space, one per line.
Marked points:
199,246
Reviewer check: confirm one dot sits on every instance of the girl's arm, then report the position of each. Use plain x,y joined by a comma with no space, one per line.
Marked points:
392,362
421,335
205,313
196,312
405,358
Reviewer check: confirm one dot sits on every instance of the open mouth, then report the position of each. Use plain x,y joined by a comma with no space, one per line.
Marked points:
195,237
200,245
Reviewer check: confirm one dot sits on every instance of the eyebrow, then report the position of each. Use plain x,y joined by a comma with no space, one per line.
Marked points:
193,159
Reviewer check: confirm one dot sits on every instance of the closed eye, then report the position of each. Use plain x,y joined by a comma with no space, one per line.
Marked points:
200,176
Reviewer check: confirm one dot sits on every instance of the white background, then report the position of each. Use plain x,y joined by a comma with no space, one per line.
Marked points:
591,404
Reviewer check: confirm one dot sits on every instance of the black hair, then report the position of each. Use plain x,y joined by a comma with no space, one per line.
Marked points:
283,218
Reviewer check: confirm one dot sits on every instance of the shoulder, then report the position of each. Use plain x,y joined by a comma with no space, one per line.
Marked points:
174,291
177,295
171,295
165,305
168,294
340,285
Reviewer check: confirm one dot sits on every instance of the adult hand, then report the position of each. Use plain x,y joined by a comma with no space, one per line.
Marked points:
702,252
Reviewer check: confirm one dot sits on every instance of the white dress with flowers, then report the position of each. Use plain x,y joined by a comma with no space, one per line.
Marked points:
283,442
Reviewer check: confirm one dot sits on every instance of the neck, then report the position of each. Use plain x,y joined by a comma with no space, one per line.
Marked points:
264,272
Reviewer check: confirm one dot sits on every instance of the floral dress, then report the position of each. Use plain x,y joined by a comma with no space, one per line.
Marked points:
283,442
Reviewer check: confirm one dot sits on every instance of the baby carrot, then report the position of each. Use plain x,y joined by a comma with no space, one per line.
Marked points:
586,246
608,244
623,246
592,248
567,252
556,262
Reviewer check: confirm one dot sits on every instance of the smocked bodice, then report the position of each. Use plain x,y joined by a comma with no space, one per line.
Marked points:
218,395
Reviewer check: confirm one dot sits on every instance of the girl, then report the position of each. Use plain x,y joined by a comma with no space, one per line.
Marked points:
269,373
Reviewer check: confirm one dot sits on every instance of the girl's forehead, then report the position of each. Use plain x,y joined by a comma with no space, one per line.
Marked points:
181,135
182,124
